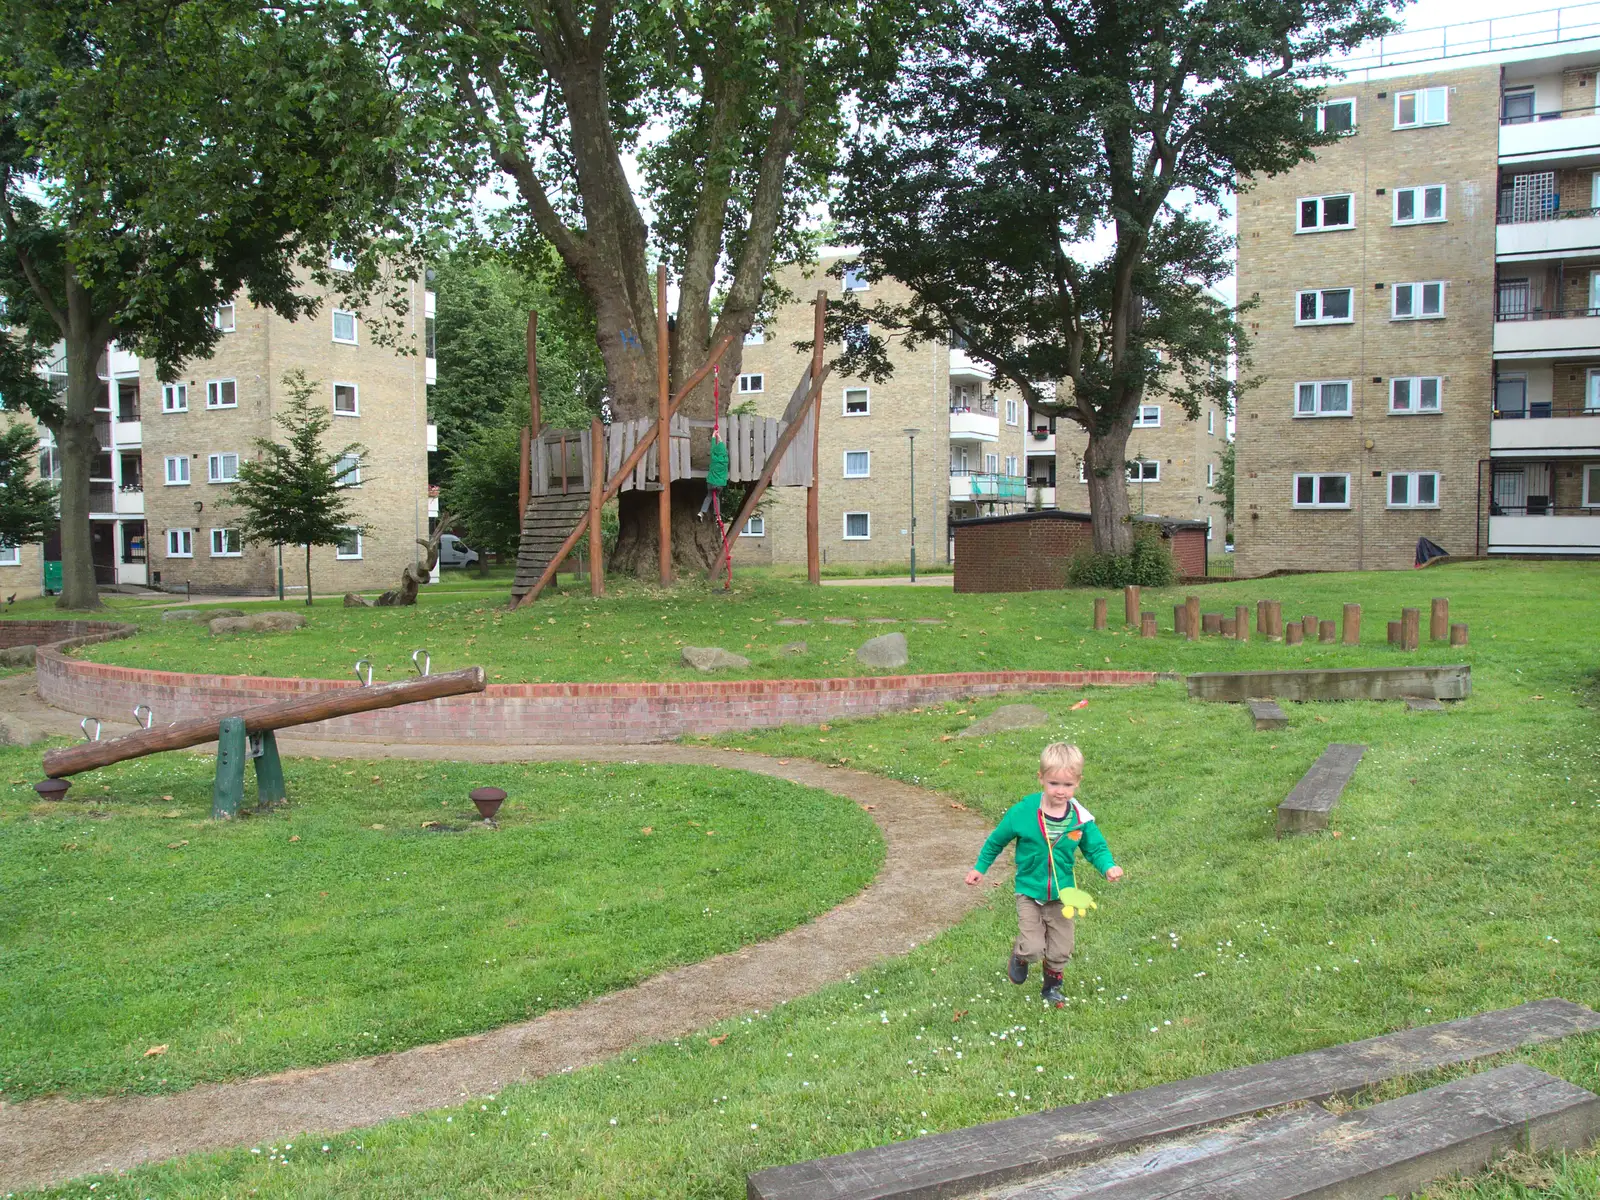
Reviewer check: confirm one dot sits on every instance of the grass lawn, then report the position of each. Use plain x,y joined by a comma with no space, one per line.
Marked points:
129,919
638,632
1462,877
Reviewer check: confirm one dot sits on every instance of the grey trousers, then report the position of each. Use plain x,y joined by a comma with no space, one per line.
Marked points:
1042,932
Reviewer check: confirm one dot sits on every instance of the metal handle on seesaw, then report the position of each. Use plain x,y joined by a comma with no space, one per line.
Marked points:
84,725
145,721
367,663
425,667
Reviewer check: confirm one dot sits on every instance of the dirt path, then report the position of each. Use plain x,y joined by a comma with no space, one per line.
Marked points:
928,842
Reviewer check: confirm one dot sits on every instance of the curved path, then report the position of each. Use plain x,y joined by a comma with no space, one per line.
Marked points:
928,841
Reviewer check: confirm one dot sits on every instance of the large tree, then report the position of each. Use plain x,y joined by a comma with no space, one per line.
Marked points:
158,157
693,132
1033,173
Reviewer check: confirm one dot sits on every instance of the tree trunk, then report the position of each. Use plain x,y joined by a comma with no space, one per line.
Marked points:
79,446
308,575
1106,469
696,544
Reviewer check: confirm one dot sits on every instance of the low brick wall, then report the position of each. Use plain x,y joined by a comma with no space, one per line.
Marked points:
1030,552
543,713
45,633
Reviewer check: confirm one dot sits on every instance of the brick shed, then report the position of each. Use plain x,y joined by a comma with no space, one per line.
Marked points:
1029,552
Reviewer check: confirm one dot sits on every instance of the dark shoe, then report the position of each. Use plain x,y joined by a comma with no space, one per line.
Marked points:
1051,992
1017,970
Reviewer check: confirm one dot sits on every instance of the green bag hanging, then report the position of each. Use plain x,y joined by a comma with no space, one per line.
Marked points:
717,472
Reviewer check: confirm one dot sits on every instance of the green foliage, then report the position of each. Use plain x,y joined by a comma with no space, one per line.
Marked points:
27,504
1224,484
481,488
1149,564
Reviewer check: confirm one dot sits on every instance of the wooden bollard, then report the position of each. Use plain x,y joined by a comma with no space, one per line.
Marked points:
1100,613
1458,634
1292,633
1210,622
1230,627
1325,631
1410,628
1130,604
1439,620
1263,624
1309,624
1180,619
1241,622
1352,624
1191,617
1394,633
1274,619
1147,624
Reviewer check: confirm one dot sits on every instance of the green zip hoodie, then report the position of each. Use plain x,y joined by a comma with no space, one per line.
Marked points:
1023,825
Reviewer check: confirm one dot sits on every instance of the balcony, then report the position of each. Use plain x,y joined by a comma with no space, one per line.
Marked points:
127,433
1553,233
430,370
964,366
1040,441
1553,333
128,501
1542,429
1559,531
1550,137
973,487
1041,495
433,437
973,424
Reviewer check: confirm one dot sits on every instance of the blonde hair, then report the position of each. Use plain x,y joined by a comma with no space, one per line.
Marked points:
1061,756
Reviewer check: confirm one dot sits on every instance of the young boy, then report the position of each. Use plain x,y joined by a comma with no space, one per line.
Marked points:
1049,827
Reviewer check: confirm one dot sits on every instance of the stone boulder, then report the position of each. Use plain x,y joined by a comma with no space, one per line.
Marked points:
794,648
713,658
351,600
200,614
887,651
263,622
1007,718
17,656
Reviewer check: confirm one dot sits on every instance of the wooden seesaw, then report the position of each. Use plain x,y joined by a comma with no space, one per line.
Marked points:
248,735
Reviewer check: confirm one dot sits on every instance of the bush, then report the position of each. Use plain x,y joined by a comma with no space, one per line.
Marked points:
1150,565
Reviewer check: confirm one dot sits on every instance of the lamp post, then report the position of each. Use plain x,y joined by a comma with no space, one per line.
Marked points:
912,435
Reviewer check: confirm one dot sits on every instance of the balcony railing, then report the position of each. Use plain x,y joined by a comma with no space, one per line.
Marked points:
1516,312
1546,209
985,485
1535,508
1538,410
1555,114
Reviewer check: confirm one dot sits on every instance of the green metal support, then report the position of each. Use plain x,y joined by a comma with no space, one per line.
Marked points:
270,787
234,748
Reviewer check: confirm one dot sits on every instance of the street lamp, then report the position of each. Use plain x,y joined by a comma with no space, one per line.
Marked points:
912,434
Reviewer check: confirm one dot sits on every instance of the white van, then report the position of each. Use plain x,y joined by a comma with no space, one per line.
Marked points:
453,552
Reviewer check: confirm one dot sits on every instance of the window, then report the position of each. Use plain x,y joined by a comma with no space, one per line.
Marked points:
756,337
338,262
347,471
430,337
1418,301
1425,106
1322,491
1211,474
1591,485
1083,474
222,393
855,279
174,397
1414,205
226,543
49,461
344,326
1011,464
1415,394
1324,306
749,384
1211,423
1336,116
10,556
1144,470
1516,106
177,470
1591,391
857,338
1148,417
991,464
221,468
1322,398
180,543
223,318
856,402
349,545
346,400
1208,529
756,526
1413,489
1011,412
857,526
1327,212
857,464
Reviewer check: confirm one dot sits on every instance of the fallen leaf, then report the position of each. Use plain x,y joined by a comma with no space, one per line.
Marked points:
432,825
156,1051
717,1041
374,826
1081,703
1338,833
870,807
295,838
947,737
648,830
960,1012
376,779
168,799
177,845
710,832
70,846
783,762
825,728
1538,697
959,805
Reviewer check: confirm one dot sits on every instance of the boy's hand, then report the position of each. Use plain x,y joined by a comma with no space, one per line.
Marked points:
1114,874
973,877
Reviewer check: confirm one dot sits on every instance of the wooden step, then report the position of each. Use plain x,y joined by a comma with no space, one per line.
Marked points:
1394,1148
1267,715
964,1161
1306,809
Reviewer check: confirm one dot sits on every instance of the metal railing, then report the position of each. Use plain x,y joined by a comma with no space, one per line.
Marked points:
1544,314
1536,507
1555,114
1538,410
1546,212
1520,31
980,407
987,485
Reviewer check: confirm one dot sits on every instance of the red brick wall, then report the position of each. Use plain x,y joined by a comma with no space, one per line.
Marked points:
1189,551
39,633
1033,555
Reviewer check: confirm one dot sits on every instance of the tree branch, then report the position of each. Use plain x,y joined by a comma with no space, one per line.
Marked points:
24,259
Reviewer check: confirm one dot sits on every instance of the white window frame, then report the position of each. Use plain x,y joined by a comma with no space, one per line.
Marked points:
1294,491
1211,423
355,327
1322,114
1083,471
1142,476
1412,478
176,460
225,317
174,397
338,549
215,540
1413,387
214,389
752,384
355,396
857,537
344,478
1419,204
1148,417
1591,390
1321,294
1321,202
855,280
1211,474
1321,411
1423,111
864,393
1011,410
1591,485
756,526
217,463
1011,464
991,464
10,556
180,543
849,474
1412,296
757,336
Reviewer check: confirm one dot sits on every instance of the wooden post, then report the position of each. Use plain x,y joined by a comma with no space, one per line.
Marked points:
1325,631
1274,619
1241,622
1309,624
1458,634
525,476
1191,617
663,439
1394,633
1210,622
1230,627
597,484
1147,625
1180,619
533,372
1410,628
1100,612
1263,625
1130,605
814,492
1439,620
1292,633
1352,624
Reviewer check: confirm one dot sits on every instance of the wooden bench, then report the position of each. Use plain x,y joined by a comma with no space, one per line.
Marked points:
1307,807
1267,715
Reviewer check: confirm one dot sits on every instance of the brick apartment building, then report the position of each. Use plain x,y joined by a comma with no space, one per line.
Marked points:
1427,339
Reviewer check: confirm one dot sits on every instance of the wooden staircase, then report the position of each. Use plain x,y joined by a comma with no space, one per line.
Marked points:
545,526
